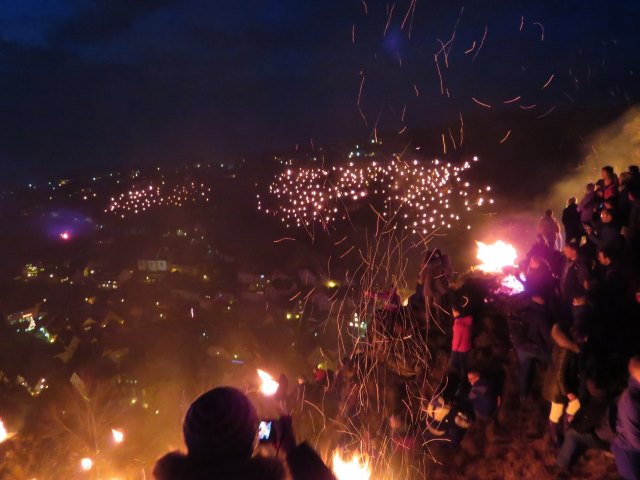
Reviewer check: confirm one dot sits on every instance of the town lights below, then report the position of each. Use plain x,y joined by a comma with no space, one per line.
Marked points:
269,386
86,464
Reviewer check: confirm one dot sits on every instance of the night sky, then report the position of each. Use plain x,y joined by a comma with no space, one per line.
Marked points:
111,83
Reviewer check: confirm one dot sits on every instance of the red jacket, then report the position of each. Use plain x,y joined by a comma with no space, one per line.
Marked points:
462,334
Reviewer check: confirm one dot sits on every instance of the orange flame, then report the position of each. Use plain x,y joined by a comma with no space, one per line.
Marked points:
496,256
269,386
3,432
355,468
118,435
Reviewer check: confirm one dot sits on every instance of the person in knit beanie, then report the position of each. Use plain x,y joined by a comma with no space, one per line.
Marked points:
220,432
221,423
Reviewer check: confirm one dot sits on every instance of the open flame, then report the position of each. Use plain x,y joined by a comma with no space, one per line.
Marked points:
118,435
495,256
355,468
3,432
510,285
86,464
269,386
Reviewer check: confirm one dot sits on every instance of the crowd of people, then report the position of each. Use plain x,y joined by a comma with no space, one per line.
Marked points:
583,321
574,336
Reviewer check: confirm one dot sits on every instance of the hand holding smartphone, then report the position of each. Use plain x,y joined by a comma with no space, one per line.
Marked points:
267,431
278,432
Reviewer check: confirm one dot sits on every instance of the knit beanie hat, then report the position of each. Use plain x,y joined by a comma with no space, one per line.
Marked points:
221,423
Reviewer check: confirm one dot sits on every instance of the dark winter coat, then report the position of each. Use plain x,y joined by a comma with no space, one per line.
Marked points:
608,237
634,218
484,398
178,466
537,324
540,281
624,206
628,424
571,222
582,319
574,273
562,376
303,462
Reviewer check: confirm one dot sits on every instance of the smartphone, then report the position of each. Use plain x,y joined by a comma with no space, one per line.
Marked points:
266,431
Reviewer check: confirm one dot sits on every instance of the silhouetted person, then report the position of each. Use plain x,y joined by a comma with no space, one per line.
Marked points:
460,345
623,205
531,337
484,395
590,427
549,227
571,221
435,276
588,204
220,432
561,385
539,279
574,274
609,183
633,225
607,235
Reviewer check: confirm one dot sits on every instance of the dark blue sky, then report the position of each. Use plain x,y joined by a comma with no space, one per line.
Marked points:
120,82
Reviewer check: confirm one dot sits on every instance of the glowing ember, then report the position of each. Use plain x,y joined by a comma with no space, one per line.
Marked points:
510,285
86,464
356,468
118,435
495,256
269,385
3,432
65,235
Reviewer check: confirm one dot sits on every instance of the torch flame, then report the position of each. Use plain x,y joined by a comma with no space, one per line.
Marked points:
86,464
496,256
269,385
3,432
118,435
356,468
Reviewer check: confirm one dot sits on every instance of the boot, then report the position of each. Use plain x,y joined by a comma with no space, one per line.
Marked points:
555,434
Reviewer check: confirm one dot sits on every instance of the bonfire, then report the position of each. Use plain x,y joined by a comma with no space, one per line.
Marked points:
355,468
497,258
